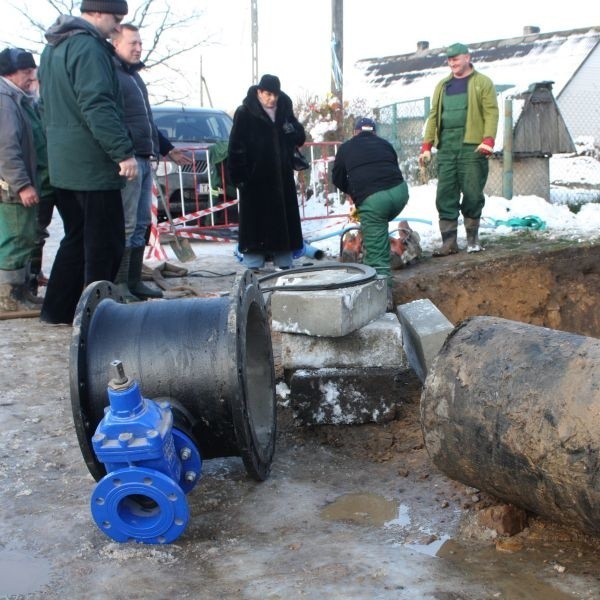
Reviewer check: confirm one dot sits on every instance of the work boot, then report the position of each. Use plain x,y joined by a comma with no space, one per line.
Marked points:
472,229
448,229
30,289
121,280
12,300
135,276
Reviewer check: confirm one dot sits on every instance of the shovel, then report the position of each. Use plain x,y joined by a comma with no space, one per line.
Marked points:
181,247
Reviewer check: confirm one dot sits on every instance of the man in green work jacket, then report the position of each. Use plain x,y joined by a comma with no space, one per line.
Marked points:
90,154
462,125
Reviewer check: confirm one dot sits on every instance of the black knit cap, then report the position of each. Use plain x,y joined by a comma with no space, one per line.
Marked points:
270,83
115,7
14,59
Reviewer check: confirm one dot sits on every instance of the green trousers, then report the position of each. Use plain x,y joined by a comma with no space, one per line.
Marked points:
375,212
462,174
18,235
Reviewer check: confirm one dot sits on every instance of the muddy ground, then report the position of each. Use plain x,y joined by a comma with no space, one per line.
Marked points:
348,512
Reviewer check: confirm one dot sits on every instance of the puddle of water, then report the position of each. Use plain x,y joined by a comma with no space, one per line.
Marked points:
517,576
363,509
22,574
402,519
432,549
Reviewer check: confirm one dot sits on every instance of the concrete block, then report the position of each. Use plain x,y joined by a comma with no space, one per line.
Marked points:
345,396
377,344
424,330
328,313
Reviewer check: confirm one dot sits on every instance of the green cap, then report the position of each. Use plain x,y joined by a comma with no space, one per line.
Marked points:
456,49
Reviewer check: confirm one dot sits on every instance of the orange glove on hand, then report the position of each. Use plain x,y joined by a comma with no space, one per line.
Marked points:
486,147
425,155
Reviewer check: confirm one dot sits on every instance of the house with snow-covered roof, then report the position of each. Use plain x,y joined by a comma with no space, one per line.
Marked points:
570,59
554,76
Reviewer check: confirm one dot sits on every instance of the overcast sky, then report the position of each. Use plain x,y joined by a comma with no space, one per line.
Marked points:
294,37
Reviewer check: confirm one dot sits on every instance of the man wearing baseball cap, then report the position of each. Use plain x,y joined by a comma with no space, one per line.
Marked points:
90,155
366,168
462,125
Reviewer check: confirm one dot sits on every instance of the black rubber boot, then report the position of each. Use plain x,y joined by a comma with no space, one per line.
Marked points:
122,278
448,229
135,276
472,229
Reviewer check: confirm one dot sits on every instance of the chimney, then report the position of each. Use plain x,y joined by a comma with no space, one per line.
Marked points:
530,30
422,46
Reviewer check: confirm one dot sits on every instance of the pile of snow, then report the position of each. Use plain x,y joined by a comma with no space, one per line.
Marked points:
421,214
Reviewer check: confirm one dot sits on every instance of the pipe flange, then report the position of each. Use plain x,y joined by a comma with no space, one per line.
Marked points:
84,410
140,504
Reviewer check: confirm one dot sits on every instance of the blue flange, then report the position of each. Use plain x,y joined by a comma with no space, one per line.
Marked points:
191,463
142,505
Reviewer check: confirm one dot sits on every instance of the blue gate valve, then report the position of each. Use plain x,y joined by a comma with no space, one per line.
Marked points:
150,465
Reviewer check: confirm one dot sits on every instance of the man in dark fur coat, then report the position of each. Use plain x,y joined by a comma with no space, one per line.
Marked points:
261,146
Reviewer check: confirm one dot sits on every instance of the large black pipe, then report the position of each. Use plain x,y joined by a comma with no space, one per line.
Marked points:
210,357
514,410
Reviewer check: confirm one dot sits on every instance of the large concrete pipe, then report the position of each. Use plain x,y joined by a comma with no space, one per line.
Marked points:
211,359
514,410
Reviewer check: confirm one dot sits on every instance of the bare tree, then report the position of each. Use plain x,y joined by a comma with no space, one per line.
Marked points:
162,27
167,36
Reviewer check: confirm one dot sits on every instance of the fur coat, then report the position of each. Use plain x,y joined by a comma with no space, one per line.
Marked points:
260,165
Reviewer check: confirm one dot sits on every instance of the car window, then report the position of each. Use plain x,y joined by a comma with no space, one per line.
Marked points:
191,127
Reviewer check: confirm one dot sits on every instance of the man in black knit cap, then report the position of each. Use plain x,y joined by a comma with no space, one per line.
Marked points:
90,155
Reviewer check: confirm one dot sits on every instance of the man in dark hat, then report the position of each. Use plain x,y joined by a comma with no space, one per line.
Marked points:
462,125
90,154
264,136
20,133
366,168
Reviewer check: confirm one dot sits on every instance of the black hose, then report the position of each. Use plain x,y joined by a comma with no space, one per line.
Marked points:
363,275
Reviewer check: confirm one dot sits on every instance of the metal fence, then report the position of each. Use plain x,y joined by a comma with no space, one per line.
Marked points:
572,179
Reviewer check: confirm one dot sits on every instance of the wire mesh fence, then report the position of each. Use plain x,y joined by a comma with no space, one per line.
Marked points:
572,178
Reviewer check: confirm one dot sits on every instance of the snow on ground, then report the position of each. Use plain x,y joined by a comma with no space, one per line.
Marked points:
421,214
499,216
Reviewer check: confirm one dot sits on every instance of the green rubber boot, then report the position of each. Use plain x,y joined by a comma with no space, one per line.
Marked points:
448,229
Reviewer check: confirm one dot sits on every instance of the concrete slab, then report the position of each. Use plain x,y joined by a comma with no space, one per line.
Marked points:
328,313
377,344
345,396
424,330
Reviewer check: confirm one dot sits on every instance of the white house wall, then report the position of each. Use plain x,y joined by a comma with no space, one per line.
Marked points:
552,59
583,92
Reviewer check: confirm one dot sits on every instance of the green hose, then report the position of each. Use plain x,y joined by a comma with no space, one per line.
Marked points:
528,222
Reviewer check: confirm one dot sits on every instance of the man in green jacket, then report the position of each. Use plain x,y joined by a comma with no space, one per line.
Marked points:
90,154
462,125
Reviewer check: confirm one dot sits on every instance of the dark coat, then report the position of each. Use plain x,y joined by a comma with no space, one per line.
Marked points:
147,140
260,165
17,150
136,105
365,164
82,109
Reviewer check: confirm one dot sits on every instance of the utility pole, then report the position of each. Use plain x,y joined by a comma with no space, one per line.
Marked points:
254,17
337,57
201,83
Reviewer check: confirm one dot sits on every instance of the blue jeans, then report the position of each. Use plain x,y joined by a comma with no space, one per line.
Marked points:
137,204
